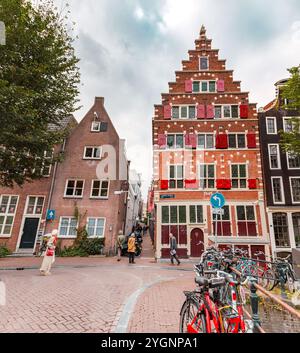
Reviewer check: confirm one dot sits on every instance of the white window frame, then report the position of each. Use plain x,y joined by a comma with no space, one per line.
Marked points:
281,188
239,178
175,147
222,111
293,201
8,214
206,178
275,125
207,58
92,127
68,228
200,86
285,120
178,214
246,220
175,176
196,212
188,111
74,196
100,197
287,161
94,148
206,148
96,236
278,156
36,197
236,140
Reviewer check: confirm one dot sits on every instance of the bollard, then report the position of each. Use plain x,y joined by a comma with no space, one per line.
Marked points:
254,304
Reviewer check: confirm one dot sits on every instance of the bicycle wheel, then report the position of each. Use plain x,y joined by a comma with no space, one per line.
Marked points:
269,279
191,321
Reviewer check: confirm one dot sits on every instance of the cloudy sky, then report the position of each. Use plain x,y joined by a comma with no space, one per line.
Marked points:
130,49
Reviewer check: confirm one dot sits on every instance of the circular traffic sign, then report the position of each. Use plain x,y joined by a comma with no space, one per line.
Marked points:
217,200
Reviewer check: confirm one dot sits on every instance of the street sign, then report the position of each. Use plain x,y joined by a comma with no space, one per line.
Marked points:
50,215
217,200
218,211
167,196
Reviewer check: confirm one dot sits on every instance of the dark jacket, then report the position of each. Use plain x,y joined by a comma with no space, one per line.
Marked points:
173,244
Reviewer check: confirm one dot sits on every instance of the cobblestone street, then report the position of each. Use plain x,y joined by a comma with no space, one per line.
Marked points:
93,295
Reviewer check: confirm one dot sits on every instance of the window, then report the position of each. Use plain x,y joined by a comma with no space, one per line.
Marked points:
95,227
100,189
196,214
246,221
236,141
296,224
287,125
203,63
207,176
293,161
277,188
206,141
74,188
222,223
45,168
226,111
271,126
274,157
295,189
176,177
239,176
34,205
175,141
281,232
174,214
184,112
67,227
92,153
96,126
8,206
204,86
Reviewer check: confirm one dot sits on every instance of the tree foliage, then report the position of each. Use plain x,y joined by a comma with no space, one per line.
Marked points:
39,80
290,141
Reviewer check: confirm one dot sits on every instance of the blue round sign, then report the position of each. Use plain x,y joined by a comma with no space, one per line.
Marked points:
217,200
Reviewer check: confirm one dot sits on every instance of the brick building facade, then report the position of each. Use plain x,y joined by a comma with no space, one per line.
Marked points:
93,169
281,172
206,139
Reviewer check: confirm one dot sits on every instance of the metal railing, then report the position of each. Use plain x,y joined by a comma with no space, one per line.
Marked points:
254,300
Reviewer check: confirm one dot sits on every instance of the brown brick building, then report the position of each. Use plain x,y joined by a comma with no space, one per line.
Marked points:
93,169
206,140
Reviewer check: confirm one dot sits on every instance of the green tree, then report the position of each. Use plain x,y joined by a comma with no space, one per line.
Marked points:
290,141
39,80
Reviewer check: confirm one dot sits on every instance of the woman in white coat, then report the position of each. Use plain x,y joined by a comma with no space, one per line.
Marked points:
49,255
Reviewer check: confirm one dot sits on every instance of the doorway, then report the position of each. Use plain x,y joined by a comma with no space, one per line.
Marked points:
197,236
29,233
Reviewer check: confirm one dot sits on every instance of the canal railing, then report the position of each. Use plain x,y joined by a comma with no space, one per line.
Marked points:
254,302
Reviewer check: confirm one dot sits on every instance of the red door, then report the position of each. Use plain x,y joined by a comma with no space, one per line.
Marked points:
196,237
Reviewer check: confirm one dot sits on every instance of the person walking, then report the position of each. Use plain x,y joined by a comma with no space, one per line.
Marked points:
131,248
49,254
120,241
173,248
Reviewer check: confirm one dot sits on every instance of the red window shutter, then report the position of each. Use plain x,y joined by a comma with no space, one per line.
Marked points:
164,184
187,140
167,112
188,86
220,86
201,111
244,110
242,229
252,183
193,140
222,141
251,140
162,140
210,111
224,184
191,184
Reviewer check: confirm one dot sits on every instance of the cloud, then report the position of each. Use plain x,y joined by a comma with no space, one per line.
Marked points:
130,49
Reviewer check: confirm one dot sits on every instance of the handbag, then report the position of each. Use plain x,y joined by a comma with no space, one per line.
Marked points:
49,252
173,252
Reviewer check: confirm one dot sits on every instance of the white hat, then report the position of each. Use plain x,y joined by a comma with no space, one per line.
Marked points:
54,232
